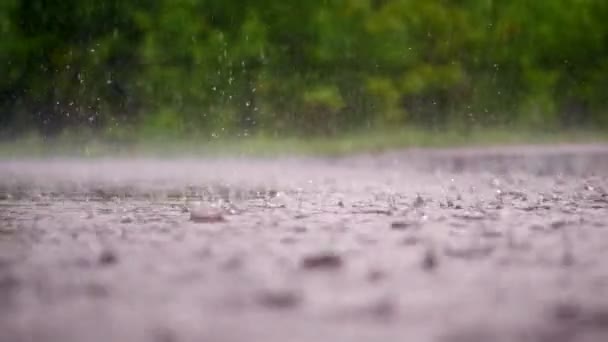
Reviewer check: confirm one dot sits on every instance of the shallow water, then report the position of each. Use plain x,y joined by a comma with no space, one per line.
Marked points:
425,245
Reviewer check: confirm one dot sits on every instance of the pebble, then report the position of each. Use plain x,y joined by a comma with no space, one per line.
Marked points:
107,258
322,261
429,260
402,225
279,298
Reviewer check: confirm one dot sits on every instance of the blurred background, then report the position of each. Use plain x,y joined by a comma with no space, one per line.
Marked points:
127,70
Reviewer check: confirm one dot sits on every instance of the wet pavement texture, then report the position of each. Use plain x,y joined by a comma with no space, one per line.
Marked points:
494,244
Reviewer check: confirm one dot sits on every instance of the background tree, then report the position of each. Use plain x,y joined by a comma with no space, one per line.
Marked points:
201,67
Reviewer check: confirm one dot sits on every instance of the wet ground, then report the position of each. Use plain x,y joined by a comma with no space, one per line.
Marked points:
506,244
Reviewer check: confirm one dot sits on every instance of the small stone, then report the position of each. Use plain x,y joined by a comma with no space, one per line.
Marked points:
97,290
375,275
126,219
559,224
300,229
469,251
288,240
383,308
410,240
322,261
402,225
8,282
538,227
279,298
429,260
491,233
233,263
567,311
107,258
567,258
164,335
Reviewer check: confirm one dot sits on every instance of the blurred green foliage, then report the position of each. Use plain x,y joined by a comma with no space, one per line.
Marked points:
240,67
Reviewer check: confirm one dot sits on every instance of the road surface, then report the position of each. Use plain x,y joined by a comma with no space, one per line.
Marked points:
454,245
